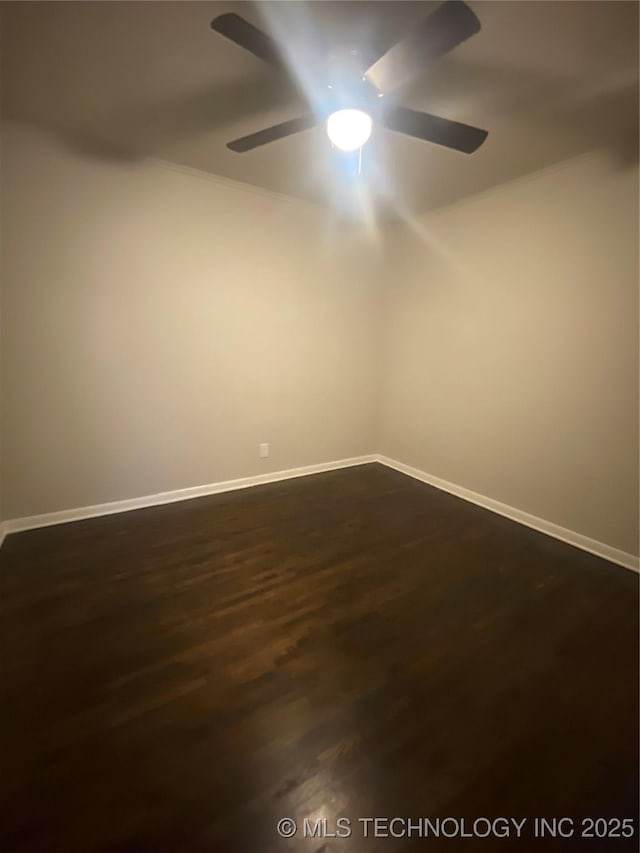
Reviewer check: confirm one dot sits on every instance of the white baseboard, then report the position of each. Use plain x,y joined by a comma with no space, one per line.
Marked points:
14,525
607,552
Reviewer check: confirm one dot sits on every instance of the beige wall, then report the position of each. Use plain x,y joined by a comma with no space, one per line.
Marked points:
511,347
159,324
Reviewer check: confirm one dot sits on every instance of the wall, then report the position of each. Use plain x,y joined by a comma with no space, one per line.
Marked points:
511,347
158,324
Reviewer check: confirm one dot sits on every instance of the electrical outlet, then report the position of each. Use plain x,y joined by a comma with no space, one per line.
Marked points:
264,451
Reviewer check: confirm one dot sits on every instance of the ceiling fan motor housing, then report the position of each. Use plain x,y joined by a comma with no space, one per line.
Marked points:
351,93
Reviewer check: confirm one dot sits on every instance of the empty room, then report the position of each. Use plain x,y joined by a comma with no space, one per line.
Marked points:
319,433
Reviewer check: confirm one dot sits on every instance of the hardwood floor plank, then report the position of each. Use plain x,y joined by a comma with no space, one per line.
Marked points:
352,643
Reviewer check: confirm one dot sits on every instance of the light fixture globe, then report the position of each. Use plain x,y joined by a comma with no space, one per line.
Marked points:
349,129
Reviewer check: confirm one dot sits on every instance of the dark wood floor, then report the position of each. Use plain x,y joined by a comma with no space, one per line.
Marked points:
352,644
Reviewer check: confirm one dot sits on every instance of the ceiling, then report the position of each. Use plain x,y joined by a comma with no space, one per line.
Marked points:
130,80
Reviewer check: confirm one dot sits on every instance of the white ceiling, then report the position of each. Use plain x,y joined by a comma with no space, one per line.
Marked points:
548,80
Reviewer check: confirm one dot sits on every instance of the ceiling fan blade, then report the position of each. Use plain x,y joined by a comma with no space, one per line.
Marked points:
244,34
271,134
441,131
450,25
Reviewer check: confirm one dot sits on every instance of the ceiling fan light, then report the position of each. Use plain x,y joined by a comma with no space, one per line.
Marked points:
349,129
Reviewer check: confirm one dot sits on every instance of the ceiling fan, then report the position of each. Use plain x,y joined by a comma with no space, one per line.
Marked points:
351,107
